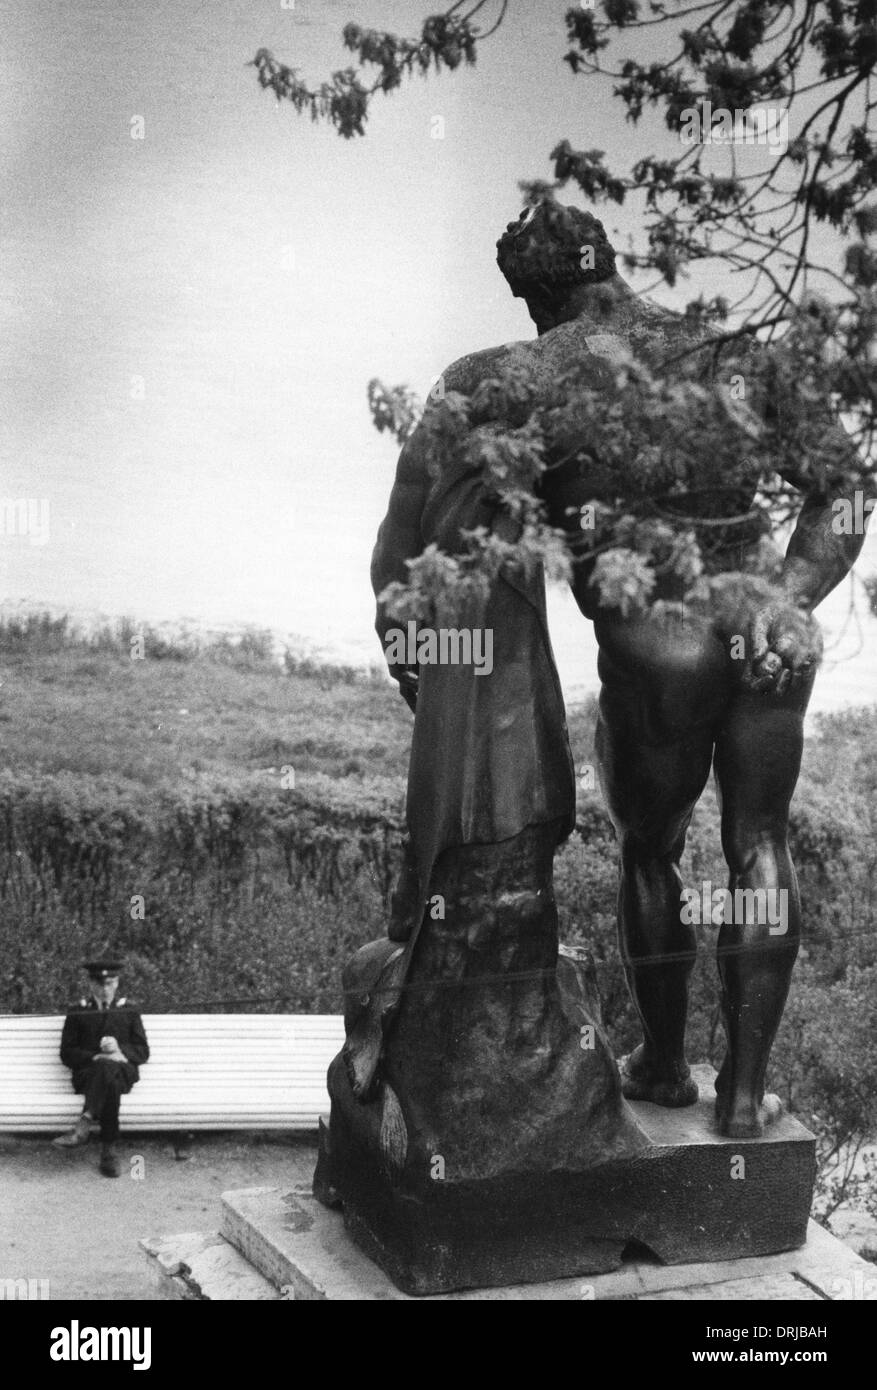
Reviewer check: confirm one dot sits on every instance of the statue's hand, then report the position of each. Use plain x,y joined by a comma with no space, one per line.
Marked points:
785,643
409,680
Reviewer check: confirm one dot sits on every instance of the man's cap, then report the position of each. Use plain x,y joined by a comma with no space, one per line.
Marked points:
104,969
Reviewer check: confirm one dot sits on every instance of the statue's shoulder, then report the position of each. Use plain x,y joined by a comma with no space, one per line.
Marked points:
468,372
659,337
651,327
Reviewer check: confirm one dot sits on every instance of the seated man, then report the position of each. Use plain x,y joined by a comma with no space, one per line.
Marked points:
103,1043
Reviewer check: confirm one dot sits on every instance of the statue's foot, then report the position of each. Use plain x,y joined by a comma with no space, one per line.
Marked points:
641,1080
743,1118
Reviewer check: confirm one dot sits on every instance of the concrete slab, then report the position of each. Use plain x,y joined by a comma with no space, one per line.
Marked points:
767,1288
297,1243
858,1230
202,1266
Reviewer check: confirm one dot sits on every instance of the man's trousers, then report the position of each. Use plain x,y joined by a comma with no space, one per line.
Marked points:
103,1084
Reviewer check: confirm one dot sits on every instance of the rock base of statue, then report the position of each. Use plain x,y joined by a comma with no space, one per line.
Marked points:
691,1197
493,1146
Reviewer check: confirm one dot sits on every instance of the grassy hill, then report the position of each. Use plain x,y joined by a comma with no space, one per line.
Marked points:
161,785
166,779
71,705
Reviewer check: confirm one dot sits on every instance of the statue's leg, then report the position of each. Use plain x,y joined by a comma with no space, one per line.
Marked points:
665,689
651,791
758,757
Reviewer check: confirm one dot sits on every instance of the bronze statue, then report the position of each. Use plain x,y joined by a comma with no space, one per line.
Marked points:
673,702
463,1027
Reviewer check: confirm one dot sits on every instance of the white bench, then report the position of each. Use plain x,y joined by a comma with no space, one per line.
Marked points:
205,1071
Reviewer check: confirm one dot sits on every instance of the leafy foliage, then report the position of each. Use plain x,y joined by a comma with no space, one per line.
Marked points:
445,42
396,410
660,429
736,57
683,457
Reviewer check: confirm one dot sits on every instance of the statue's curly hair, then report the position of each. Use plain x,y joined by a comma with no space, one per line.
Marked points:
543,250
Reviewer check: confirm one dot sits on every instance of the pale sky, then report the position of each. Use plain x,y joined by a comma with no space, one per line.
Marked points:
249,272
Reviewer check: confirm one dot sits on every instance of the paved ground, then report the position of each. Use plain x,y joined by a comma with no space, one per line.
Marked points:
61,1221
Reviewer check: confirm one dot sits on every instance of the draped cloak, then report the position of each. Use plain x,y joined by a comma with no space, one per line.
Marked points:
490,752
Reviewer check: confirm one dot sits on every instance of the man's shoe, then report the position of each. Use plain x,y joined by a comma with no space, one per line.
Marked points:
79,1134
109,1164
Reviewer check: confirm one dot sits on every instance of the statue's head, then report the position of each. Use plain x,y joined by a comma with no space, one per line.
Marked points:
550,251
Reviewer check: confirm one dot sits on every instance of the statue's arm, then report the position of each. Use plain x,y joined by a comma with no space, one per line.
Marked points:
399,535
400,539
820,553
823,549
785,639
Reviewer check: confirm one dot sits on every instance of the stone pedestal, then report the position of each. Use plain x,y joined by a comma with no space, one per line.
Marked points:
689,1195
